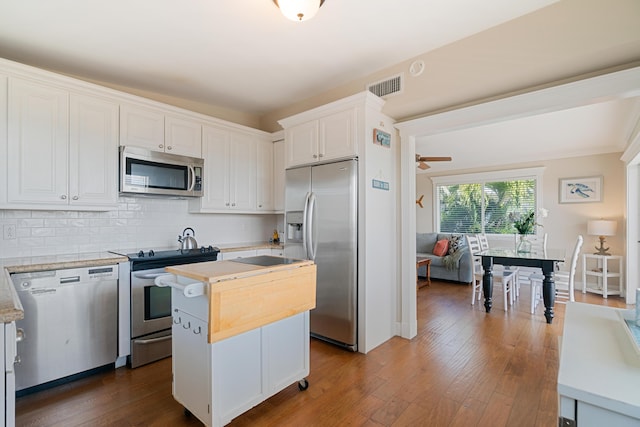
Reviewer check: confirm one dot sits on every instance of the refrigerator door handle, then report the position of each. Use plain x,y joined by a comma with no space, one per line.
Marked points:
305,226
311,251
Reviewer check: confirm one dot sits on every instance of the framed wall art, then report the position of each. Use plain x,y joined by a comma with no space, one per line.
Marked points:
381,138
581,190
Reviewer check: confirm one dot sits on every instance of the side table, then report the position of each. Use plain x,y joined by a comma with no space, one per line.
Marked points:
420,262
602,273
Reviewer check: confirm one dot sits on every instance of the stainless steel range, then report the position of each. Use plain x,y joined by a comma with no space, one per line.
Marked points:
151,304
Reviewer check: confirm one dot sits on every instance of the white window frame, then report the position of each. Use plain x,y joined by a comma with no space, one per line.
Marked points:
480,177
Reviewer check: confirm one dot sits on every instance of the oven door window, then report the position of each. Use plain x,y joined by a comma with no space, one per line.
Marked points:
143,173
157,302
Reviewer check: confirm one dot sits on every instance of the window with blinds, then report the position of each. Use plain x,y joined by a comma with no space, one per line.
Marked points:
489,206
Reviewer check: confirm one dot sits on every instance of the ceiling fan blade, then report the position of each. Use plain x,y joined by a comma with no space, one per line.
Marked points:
423,166
434,159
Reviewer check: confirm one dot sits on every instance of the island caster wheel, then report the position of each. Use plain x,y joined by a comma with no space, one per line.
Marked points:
187,413
303,384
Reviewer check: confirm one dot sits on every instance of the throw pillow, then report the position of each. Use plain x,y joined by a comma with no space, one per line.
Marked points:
441,247
455,242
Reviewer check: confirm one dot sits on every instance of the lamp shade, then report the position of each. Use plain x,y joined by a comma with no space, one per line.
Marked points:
601,227
299,10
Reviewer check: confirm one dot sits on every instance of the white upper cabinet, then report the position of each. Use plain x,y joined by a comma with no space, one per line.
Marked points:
3,138
62,148
37,151
183,136
230,164
141,127
243,171
93,151
337,135
215,151
302,144
264,182
278,176
327,138
156,130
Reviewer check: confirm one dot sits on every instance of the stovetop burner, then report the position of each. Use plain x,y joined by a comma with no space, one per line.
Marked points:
172,253
142,260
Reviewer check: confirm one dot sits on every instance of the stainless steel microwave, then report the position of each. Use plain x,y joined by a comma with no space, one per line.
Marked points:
146,172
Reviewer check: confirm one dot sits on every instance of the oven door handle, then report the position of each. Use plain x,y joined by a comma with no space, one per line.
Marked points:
148,275
189,291
152,340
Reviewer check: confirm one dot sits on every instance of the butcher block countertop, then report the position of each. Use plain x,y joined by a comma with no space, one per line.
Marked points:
242,296
218,271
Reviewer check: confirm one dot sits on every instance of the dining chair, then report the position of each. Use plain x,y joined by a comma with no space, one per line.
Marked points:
507,278
483,241
565,280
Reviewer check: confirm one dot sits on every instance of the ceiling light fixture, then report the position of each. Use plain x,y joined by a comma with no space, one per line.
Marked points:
299,10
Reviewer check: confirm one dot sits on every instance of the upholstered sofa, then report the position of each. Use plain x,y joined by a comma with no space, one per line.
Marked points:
459,265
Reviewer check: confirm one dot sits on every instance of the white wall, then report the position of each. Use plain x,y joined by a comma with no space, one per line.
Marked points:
137,223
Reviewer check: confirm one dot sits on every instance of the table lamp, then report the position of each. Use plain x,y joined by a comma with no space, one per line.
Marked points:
601,228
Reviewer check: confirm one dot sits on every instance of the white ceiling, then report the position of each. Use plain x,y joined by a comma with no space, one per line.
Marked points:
238,54
598,128
243,55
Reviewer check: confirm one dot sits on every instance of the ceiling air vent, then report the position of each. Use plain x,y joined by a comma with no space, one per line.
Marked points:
386,87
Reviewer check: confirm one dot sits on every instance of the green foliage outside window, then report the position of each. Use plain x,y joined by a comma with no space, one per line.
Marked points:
486,207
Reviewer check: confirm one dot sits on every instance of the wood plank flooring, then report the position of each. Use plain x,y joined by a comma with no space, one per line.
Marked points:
465,368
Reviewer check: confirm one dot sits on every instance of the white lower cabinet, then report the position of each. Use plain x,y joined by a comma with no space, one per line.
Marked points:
217,382
270,251
8,336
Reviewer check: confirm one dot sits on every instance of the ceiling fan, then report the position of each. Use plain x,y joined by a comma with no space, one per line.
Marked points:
422,159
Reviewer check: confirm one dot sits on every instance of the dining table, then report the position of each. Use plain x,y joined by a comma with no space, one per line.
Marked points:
545,260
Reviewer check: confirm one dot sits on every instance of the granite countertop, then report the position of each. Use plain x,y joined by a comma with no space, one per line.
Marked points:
10,306
247,246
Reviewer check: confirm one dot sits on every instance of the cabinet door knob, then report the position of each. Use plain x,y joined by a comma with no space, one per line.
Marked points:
315,156
233,204
63,197
321,155
226,204
160,146
169,147
75,197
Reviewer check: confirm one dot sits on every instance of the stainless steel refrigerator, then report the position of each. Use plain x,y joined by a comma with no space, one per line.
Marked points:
321,217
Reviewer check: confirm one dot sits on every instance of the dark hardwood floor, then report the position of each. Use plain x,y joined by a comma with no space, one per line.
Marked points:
464,368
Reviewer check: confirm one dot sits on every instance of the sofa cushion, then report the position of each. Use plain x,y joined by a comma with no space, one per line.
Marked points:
456,242
441,247
425,242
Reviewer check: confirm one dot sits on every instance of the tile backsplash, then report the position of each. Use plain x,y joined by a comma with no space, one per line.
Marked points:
137,223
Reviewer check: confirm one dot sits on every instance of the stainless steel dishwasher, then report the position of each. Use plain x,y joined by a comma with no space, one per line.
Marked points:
70,323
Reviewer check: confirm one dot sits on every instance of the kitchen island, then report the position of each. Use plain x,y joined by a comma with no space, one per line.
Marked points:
240,332
599,368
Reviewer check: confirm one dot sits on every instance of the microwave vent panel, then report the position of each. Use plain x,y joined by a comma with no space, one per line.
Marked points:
387,87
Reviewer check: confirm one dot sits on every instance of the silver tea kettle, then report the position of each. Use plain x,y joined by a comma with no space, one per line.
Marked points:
187,240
